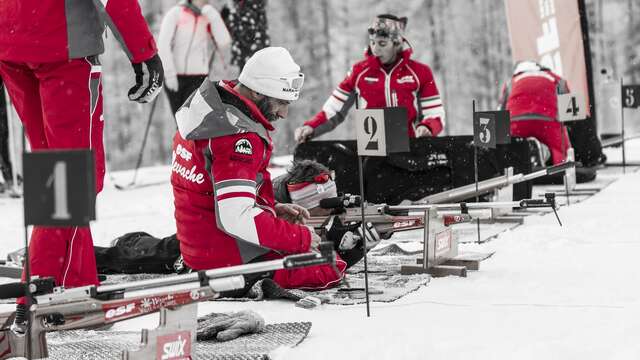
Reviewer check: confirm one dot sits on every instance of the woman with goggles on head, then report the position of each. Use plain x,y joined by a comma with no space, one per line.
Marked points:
387,77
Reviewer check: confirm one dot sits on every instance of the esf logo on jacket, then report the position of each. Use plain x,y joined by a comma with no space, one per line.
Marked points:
243,146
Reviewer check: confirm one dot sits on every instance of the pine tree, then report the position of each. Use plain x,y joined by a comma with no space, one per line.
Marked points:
247,23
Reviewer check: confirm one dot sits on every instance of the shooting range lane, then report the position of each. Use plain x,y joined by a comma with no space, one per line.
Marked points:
540,275
547,292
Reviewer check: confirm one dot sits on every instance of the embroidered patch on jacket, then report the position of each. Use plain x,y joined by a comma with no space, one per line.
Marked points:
370,79
243,146
406,79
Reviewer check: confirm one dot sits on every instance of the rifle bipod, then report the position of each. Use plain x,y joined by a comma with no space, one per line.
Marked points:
174,297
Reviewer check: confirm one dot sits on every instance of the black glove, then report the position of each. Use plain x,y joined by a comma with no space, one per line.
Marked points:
342,236
229,326
149,79
347,236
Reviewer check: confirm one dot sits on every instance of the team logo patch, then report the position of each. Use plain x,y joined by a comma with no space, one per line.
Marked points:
243,146
406,79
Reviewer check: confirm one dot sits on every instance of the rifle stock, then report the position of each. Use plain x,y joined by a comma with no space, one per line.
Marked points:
92,306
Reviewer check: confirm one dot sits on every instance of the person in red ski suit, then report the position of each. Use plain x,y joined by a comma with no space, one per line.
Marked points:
387,77
224,202
531,98
49,62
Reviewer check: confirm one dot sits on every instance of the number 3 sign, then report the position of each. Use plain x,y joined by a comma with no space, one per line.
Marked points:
59,188
491,128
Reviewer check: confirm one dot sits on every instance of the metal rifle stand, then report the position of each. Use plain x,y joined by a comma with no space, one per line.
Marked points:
364,232
436,261
624,158
475,171
174,336
562,145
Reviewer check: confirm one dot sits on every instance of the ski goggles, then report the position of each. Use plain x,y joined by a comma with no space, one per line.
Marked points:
308,194
384,27
321,178
294,82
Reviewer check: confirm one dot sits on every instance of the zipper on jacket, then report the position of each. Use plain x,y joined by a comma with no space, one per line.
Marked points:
387,84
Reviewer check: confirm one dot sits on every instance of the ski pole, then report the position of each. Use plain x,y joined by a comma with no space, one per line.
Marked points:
144,142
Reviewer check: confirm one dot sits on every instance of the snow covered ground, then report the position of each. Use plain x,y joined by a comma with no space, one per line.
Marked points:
549,292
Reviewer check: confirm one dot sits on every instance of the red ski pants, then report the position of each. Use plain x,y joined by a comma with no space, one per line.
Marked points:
548,133
60,106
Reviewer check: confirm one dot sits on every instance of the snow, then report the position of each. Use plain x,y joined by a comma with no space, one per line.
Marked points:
549,292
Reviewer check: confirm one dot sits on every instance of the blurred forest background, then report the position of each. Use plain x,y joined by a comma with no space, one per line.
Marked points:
465,42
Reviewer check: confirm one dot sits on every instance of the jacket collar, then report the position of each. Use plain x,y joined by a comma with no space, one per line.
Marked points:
256,114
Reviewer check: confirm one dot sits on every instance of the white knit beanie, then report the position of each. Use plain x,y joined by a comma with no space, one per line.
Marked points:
272,72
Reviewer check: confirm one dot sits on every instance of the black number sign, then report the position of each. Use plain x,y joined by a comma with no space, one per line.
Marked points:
631,96
59,188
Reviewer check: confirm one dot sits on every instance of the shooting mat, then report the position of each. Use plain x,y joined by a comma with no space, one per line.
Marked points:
107,345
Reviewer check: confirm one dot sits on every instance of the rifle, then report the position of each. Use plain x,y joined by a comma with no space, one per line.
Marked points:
485,186
387,219
175,297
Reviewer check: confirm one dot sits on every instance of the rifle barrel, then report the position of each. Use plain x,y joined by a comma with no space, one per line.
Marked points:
286,262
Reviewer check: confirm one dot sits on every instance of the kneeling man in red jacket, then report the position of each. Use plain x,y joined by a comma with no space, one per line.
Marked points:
224,203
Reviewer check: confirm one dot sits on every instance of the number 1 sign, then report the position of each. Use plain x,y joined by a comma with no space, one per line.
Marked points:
59,188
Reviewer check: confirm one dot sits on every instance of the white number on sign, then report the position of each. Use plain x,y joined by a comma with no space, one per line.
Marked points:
370,128
485,134
573,108
59,179
629,97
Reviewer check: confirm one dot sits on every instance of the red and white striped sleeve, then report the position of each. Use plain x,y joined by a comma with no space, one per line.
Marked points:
236,163
431,109
335,109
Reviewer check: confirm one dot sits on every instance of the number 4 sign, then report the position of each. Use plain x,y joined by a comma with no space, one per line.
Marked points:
59,188
571,107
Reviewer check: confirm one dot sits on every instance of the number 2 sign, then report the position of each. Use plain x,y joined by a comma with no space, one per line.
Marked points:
59,188
381,131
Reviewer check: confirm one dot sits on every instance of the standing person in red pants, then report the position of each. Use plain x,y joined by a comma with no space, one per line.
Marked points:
49,61
531,98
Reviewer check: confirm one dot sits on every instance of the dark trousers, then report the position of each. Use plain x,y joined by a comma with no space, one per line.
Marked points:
187,84
5,159
138,252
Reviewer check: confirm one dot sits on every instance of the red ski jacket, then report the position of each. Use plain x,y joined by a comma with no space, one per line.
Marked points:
56,30
408,83
224,202
532,95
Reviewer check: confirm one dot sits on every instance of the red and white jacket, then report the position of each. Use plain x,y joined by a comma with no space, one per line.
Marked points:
58,30
224,202
532,95
408,83
186,37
